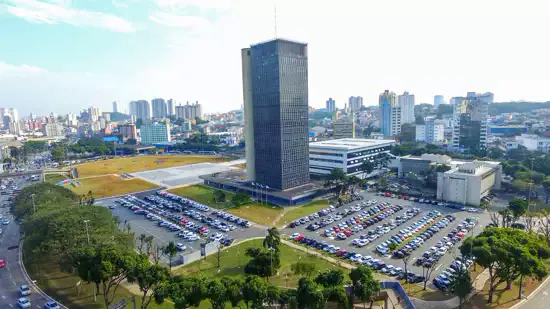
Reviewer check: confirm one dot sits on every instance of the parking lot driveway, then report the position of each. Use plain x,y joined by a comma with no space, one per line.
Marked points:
444,262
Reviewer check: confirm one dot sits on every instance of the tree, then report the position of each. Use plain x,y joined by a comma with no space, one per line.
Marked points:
462,285
106,265
254,292
337,294
186,291
308,295
366,167
330,278
520,185
141,244
546,185
131,141
507,254
264,263
419,120
408,133
148,277
240,199
273,294
170,250
303,268
517,207
58,154
336,180
219,196
157,253
272,239
234,288
217,293
544,227
427,272
366,288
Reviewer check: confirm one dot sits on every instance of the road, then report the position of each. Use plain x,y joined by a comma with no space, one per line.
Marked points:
11,276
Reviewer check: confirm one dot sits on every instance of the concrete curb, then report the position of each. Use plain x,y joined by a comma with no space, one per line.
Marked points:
30,281
534,293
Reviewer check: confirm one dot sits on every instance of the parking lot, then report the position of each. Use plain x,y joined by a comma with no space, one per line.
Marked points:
182,221
391,215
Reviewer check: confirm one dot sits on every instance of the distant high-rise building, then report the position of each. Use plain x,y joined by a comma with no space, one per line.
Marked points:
406,103
171,110
159,108
93,113
115,107
155,133
389,114
487,97
275,91
52,129
439,99
106,116
127,131
470,125
430,132
331,105
189,111
355,103
343,128
141,109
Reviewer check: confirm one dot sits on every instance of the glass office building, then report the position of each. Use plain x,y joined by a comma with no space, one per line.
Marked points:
278,107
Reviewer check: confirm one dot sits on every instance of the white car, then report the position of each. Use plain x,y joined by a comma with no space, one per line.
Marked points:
23,303
24,290
294,236
181,247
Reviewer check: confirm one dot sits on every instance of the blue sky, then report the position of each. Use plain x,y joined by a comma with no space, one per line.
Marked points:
65,55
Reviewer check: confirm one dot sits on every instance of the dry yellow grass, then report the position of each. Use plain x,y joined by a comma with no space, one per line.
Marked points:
138,164
110,185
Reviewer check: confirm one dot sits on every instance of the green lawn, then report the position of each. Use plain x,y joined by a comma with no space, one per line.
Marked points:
204,195
233,260
55,178
301,211
261,214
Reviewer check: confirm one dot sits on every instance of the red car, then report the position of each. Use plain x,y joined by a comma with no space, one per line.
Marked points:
387,194
405,197
299,237
348,233
341,252
2,263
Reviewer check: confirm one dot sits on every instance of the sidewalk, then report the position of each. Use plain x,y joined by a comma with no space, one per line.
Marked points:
454,302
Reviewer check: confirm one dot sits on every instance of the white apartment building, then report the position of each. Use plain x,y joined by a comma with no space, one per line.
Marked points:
52,129
406,102
534,142
469,182
155,133
430,132
346,154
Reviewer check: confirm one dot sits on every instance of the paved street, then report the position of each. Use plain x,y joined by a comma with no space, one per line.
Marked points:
11,276
444,262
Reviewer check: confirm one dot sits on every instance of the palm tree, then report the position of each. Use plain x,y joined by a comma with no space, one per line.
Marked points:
141,239
272,239
171,250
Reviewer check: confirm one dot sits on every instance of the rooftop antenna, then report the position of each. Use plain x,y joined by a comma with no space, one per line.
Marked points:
275,18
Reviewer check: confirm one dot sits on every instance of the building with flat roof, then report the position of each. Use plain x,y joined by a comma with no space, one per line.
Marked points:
275,93
389,114
346,154
343,128
155,133
467,183
430,132
127,131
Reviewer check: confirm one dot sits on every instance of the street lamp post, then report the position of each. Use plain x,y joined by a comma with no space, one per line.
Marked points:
271,249
87,232
33,204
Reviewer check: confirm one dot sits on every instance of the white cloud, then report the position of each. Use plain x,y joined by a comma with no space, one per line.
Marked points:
61,13
206,4
195,23
8,70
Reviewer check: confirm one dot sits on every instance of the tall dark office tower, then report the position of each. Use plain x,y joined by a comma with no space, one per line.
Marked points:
275,93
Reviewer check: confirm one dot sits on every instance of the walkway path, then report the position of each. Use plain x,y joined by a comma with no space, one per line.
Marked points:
454,302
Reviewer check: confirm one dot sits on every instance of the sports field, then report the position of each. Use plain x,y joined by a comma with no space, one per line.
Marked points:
139,163
110,185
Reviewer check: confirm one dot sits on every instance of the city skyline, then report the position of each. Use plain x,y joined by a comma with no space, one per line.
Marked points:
38,73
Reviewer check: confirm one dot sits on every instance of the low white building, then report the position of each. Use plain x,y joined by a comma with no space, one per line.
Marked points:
468,182
346,154
534,142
